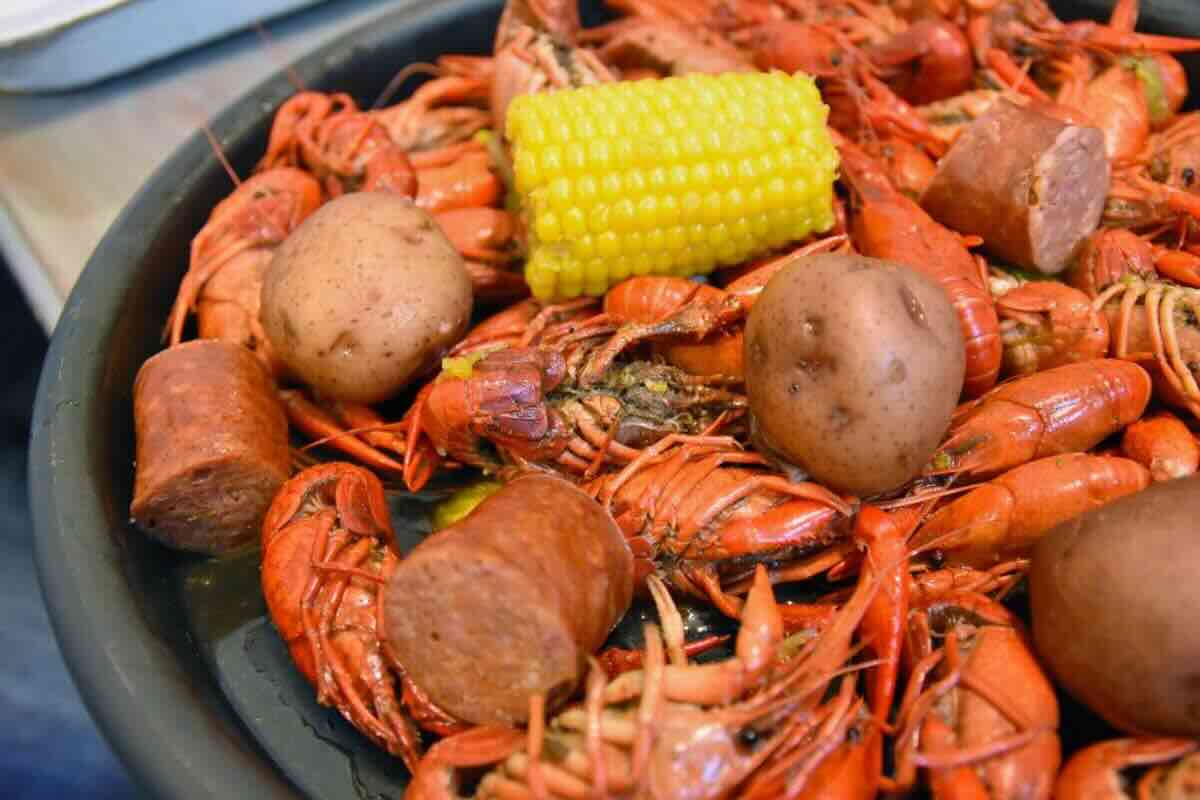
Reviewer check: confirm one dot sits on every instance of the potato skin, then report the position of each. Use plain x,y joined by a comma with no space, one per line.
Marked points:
853,369
1114,596
364,296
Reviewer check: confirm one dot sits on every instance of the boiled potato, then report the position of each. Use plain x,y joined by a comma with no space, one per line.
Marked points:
853,368
364,296
1114,595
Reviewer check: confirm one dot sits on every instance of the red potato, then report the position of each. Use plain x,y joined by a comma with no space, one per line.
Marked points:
510,601
212,446
854,366
365,296
1114,596
1032,186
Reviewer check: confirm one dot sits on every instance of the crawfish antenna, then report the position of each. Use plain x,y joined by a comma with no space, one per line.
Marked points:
219,152
393,86
274,53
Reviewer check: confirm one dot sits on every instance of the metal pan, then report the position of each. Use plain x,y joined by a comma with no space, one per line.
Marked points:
193,690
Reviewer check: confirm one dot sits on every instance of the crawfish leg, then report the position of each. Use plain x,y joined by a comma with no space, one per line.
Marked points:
312,420
883,624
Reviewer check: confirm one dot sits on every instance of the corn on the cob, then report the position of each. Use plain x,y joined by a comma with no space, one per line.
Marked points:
667,177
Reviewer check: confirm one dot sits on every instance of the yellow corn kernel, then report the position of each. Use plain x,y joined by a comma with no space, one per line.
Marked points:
671,177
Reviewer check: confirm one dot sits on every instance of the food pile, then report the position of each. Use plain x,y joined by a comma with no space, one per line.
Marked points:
947,337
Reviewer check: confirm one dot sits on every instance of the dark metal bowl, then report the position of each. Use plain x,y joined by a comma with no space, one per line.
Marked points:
188,684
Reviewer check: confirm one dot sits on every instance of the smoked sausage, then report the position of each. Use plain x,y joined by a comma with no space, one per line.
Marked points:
510,601
1030,184
212,446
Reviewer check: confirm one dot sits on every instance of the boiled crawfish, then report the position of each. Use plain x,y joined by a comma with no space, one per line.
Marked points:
524,405
1094,773
978,713
696,327
693,507
231,253
328,548
1162,444
1005,517
1067,409
1045,324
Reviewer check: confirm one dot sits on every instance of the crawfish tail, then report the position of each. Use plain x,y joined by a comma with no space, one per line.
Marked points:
1067,409
1005,517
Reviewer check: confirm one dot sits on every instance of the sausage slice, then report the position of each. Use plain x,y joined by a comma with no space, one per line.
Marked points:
212,446
510,601
1031,185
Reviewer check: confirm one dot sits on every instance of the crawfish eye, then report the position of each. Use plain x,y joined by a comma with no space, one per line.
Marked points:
748,738
1189,176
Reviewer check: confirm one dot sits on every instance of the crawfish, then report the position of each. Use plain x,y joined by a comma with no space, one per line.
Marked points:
528,406
1067,409
1173,156
1005,517
1005,35
908,167
1113,101
719,16
343,147
536,49
231,253
946,118
1046,324
999,579
1162,336
1094,773
886,224
301,112
1112,255
525,323
664,48
1106,257
978,713
695,326
1159,186
928,61
487,240
328,548
363,434
422,123
792,45
467,181
694,507
863,107
1162,444
352,151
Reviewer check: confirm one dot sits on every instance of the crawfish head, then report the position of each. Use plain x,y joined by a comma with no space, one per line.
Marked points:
691,742
647,401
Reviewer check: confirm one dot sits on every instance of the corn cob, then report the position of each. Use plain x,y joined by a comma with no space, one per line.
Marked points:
667,177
